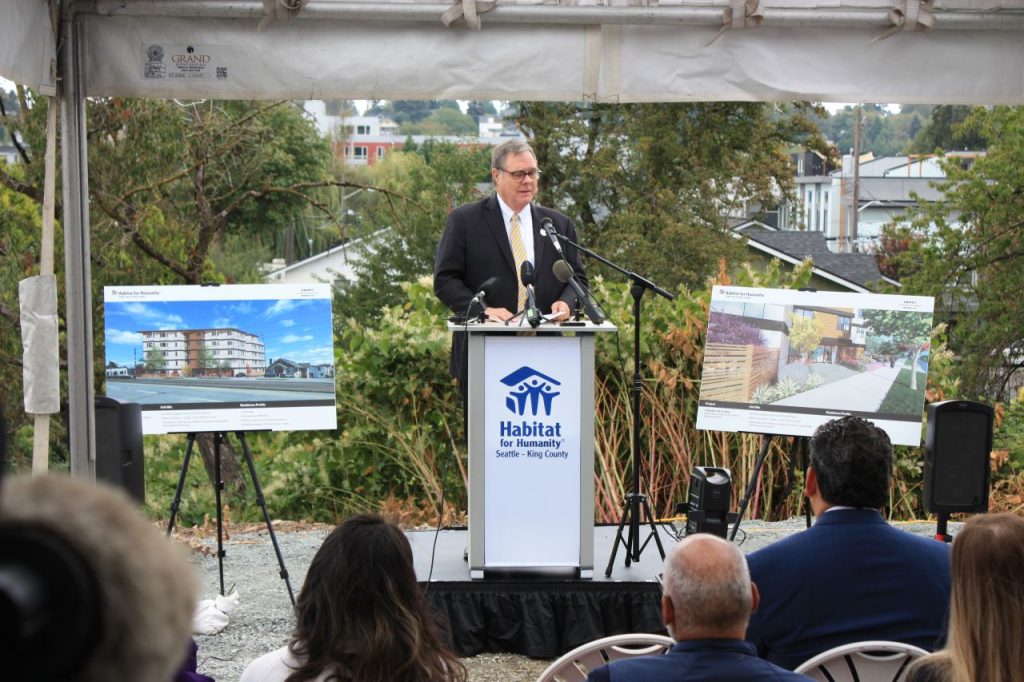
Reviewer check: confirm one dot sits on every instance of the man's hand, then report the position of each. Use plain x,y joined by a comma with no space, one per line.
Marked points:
499,314
560,311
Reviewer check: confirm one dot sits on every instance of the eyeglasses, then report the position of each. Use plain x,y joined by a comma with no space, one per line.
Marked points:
661,581
521,175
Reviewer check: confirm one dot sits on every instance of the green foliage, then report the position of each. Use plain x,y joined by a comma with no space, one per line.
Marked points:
903,398
883,132
444,122
971,257
804,334
648,185
402,227
945,131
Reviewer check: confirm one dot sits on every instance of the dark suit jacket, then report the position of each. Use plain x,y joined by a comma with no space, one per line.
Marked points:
696,660
475,247
850,577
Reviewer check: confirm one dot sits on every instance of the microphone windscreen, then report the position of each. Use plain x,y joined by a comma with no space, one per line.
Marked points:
145,588
563,271
527,273
488,286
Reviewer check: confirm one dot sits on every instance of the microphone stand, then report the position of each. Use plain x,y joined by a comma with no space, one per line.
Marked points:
635,500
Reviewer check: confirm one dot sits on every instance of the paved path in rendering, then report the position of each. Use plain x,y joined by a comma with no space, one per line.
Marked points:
861,392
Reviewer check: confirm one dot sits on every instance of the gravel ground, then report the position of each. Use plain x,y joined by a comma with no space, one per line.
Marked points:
263,620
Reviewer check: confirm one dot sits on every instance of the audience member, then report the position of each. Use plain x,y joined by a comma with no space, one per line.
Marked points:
707,600
361,616
851,577
986,633
89,590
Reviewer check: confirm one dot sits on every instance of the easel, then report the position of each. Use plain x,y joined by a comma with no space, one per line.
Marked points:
218,485
799,448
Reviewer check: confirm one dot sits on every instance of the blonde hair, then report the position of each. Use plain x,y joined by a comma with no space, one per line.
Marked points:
986,631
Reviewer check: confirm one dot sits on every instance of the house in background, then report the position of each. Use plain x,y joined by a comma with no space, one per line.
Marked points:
284,368
857,272
889,188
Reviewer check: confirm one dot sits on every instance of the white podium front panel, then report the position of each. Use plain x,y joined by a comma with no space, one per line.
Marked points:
532,451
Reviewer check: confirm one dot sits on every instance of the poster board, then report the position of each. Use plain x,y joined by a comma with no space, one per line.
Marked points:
782,361
222,358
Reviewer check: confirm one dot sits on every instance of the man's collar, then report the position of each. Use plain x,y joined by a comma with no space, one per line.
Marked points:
506,210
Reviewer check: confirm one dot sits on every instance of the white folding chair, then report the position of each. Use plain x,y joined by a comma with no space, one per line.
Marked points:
574,665
868,661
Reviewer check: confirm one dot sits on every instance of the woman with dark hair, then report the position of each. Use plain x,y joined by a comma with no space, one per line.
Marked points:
361,616
986,631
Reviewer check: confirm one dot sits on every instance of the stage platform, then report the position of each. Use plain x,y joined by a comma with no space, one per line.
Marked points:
538,613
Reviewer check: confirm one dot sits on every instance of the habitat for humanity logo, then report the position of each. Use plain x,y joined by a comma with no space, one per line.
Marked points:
530,389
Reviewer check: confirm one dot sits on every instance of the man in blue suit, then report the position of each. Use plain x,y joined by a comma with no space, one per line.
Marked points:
851,577
707,601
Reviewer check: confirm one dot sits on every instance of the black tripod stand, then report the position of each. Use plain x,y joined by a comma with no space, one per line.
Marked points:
218,486
799,450
635,500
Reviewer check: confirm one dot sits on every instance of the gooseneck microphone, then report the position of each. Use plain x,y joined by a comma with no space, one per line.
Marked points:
547,229
528,276
563,271
480,299
565,274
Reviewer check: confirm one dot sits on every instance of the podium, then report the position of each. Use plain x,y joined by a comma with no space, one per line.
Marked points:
531,446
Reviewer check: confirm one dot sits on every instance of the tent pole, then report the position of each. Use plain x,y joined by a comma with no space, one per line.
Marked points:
78,275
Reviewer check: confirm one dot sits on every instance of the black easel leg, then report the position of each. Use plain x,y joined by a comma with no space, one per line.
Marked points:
754,476
266,516
218,486
176,502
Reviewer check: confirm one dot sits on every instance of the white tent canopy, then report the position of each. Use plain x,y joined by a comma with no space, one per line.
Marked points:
939,51
907,51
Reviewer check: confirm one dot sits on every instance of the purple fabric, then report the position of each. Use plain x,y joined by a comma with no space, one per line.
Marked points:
187,672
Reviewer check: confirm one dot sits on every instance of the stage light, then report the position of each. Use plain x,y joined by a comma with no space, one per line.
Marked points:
709,499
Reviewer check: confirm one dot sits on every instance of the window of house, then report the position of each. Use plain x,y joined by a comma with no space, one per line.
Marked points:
360,152
362,130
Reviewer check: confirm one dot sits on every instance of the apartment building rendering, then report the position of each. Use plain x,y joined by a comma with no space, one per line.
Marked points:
202,352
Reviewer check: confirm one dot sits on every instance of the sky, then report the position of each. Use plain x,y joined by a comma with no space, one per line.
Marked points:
299,330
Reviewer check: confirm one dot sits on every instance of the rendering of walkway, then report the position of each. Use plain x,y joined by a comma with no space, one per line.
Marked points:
862,392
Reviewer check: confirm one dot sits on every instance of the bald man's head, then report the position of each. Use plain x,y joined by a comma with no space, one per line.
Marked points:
707,586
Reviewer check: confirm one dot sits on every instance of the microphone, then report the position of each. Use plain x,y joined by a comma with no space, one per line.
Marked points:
480,299
563,271
529,277
547,229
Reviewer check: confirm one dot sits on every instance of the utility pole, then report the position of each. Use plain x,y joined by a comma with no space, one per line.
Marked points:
854,214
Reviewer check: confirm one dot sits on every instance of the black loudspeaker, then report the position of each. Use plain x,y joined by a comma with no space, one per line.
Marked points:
708,502
119,459
958,440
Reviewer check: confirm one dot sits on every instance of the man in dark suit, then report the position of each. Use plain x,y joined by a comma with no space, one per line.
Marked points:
477,244
851,577
707,600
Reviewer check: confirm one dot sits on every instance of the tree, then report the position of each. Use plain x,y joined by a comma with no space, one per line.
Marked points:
909,331
478,108
155,360
403,227
946,131
650,185
804,335
725,328
445,122
972,256
171,184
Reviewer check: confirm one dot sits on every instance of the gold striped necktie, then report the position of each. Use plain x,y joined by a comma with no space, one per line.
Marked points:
519,254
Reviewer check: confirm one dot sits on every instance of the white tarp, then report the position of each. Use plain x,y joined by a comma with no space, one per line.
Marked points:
27,52
39,339
628,51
